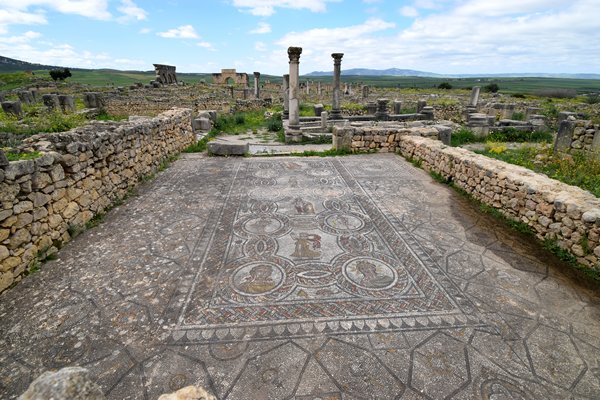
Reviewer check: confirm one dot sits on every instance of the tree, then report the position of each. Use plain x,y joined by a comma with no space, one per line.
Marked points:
444,85
492,88
60,74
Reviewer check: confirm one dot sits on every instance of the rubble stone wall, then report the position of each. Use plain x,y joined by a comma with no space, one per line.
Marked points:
554,210
79,175
383,138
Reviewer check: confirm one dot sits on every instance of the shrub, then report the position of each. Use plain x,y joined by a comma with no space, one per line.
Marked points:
444,85
518,116
491,88
60,74
274,123
240,119
592,98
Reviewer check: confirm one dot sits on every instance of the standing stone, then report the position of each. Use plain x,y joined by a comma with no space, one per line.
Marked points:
25,96
319,88
371,108
445,134
67,103
12,107
324,120
563,140
51,101
563,115
256,85
336,112
307,87
93,100
420,105
474,96
286,96
428,113
397,106
365,92
318,109
479,124
294,56
382,111
596,144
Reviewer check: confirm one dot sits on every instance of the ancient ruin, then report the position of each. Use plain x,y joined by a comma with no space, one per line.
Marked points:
165,74
230,77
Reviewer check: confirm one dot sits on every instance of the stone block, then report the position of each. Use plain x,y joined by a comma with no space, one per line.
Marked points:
67,103
201,124
318,108
12,107
227,148
51,101
72,383
564,137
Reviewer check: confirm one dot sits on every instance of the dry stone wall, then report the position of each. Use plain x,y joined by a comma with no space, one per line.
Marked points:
554,210
578,135
80,173
384,137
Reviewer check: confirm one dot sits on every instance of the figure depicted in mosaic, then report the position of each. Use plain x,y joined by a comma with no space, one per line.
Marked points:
307,245
303,206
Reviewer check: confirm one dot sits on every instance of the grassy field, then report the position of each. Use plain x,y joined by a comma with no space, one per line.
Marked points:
507,85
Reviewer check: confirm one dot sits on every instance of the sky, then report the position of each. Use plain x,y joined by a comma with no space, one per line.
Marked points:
443,36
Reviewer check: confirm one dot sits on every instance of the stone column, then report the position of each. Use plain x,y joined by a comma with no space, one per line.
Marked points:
397,106
319,89
256,89
307,87
294,56
474,96
420,105
337,69
382,111
286,96
365,92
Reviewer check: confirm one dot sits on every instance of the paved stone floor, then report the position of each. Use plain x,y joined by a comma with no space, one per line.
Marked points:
304,278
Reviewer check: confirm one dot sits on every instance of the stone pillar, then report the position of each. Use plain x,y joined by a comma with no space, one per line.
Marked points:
428,113
474,96
318,109
307,87
324,121
365,92
294,56
337,70
256,88
286,96
319,88
596,144
230,87
371,108
420,105
479,124
382,111
397,106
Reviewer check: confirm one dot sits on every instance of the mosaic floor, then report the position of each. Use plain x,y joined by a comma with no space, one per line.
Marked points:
305,278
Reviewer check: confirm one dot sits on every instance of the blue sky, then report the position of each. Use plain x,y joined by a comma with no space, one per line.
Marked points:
443,36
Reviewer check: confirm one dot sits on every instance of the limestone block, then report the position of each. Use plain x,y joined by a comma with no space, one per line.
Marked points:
188,393
67,103
12,107
71,383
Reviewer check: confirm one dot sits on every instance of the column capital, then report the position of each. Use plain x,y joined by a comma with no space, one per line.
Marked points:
294,53
257,74
337,57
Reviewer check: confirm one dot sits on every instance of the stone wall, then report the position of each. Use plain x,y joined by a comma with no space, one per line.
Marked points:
384,137
578,135
80,173
554,210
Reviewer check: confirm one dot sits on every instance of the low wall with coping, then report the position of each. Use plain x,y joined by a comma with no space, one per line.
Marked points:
80,173
385,137
554,210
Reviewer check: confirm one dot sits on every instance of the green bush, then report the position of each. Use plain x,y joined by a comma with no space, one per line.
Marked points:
274,123
444,85
491,88
464,136
593,98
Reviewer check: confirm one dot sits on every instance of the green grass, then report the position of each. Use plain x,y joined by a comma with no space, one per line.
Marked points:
12,156
466,136
13,80
104,116
578,169
324,153
37,119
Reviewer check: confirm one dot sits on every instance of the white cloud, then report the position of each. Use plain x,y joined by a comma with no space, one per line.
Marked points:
206,45
262,28
145,31
265,8
182,32
16,17
97,9
408,11
260,46
131,11
24,38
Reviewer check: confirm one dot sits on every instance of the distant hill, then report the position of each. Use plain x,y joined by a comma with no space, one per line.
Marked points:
378,72
12,65
411,72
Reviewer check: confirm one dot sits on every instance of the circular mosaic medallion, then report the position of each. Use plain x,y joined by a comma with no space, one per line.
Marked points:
344,223
273,225
376,275
265,194
257,278
319,172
